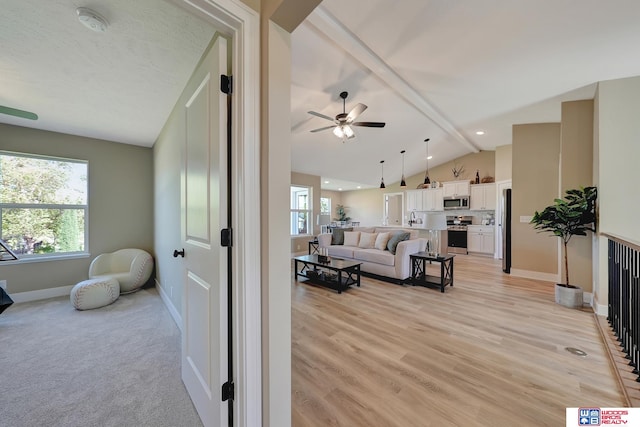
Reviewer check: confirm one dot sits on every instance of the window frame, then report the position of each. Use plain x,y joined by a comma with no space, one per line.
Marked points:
327,212
308,210
24,258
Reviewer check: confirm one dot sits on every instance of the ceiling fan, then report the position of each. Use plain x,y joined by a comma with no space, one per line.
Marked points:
344,121
18,113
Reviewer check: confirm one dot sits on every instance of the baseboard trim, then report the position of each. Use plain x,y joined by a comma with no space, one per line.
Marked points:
547,277
600,309
41,294
175,315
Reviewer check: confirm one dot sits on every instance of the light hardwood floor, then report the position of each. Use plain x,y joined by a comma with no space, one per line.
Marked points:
490,351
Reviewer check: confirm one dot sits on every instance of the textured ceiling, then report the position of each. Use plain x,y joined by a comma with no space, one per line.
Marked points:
119,85
437,69
443,70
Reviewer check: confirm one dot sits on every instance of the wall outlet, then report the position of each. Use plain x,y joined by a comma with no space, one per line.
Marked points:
3,284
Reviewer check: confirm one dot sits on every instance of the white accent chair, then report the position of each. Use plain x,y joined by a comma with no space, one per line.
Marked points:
130,267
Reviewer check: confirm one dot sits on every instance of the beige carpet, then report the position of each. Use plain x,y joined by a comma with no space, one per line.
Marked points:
114,366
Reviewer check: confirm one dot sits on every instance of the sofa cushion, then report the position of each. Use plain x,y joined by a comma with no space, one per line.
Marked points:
341,251
367,240
337,235
351,238
396,238
374,255
382,240
414,233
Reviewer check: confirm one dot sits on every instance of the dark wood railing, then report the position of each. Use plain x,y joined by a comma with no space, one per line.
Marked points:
624,296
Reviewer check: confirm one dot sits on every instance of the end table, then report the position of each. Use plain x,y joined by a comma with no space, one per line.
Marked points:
419,274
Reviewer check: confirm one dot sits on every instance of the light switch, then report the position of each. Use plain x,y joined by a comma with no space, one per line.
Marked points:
526,218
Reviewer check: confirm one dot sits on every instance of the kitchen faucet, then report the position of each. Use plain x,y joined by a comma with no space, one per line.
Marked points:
412,218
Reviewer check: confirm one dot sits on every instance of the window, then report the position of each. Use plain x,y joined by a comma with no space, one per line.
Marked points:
300,210
325,206
43,205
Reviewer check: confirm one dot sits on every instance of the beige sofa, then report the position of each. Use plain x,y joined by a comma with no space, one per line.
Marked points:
375,260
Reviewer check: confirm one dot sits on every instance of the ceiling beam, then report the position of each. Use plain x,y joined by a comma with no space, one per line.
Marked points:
332,28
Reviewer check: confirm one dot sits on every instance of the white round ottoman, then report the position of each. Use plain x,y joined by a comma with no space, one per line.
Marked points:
95,293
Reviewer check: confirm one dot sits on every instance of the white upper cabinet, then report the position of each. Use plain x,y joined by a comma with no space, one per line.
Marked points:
483,197
432,200
455,188
414,200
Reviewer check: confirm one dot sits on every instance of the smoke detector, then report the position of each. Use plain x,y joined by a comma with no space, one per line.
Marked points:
92,20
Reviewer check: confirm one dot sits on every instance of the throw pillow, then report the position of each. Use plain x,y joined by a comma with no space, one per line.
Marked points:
382,240
367,240
395,239
351,238
337,235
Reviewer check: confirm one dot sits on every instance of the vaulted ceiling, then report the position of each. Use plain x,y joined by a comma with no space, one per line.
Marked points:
443,70
437,69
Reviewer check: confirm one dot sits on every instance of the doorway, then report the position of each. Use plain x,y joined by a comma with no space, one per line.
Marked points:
393,209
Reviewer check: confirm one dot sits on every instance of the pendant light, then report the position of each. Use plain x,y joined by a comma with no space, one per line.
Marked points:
403,183
427,181
382,169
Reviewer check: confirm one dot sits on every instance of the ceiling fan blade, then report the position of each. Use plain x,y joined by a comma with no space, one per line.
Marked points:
18,113
369,124
324,128
322,116
355,112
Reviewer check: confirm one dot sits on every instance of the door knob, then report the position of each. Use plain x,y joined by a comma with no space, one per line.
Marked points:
177,252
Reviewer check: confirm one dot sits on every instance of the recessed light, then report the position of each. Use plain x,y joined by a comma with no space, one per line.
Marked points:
339,189
359,187
480,132
430,157
326,182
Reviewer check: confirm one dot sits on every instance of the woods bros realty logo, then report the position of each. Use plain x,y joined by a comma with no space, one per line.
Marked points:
603,416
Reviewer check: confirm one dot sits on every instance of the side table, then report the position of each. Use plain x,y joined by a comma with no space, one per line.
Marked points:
314,245
419,274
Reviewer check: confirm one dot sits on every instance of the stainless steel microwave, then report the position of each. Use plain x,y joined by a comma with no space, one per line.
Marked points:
456,202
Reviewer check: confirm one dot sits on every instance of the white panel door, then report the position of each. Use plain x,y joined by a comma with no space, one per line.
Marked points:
204,214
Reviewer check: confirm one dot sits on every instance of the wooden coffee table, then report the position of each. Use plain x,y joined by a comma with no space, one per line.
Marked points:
337,274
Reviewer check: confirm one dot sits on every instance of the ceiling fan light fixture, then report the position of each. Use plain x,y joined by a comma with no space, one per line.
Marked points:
337,131
348,131
92,20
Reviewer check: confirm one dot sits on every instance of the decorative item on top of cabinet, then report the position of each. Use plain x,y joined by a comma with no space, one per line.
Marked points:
483,197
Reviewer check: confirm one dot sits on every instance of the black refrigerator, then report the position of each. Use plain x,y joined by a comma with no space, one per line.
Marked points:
505,228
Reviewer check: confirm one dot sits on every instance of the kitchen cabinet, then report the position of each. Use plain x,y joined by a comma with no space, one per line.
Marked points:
432,200
483,197
455,188
414,200
480,239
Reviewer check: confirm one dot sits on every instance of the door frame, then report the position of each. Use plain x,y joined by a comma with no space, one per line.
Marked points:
242,25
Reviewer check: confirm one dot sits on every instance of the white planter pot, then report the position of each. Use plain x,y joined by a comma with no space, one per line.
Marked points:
569,296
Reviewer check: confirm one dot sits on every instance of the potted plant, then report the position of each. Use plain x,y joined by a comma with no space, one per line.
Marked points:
342,214
573,216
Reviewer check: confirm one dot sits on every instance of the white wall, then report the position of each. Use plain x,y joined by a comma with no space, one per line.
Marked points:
616,171
275,238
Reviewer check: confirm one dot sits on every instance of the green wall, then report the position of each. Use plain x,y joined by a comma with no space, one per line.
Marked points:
120,202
